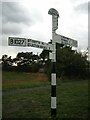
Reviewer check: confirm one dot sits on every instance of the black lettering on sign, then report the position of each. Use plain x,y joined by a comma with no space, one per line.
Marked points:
20,42
29,40
11,41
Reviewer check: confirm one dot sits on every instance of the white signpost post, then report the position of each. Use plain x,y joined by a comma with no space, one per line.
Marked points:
61,40
24,42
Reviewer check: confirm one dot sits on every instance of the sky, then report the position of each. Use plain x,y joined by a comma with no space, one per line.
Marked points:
30,19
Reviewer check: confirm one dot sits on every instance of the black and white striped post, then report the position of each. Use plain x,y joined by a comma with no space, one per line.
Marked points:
55,16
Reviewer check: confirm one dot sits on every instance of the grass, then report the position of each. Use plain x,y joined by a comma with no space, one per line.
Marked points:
12,80
28,96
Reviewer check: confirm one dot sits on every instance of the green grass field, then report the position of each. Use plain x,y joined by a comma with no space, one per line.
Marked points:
27,95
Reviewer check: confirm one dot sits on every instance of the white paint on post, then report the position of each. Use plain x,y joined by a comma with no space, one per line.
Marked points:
52,56
53,102
55,23
53,79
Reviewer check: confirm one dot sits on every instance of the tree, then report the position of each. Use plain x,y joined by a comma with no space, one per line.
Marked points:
6,62
27,62
69,63
44,55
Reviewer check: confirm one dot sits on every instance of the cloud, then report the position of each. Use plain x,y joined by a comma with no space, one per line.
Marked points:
82,8
15,17
11,29
13,13
30,19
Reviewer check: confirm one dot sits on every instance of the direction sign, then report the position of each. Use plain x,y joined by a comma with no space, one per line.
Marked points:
65,40
37,44
15,41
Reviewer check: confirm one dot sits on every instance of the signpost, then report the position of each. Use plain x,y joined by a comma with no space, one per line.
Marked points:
65,40
15,41
55,16
23,42
38,44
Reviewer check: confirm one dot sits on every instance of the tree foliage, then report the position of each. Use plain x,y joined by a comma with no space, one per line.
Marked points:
70,63
6,62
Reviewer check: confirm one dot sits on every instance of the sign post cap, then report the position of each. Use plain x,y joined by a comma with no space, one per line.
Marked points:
53,12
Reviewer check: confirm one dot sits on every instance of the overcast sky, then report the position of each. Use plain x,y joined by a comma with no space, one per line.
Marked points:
31,20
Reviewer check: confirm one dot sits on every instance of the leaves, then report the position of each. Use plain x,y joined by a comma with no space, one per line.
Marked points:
70,63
